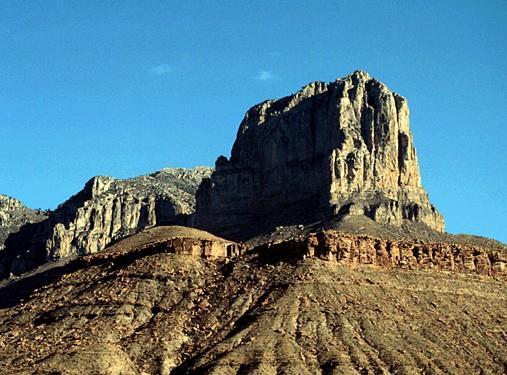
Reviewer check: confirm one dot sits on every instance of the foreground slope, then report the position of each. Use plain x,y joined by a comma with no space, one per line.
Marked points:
136,309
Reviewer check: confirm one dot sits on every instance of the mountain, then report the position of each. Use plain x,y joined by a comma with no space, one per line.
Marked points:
330,150
105,211
13,215
324,256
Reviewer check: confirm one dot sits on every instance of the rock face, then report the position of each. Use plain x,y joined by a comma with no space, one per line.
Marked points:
105,210
342,148
364,250
14,214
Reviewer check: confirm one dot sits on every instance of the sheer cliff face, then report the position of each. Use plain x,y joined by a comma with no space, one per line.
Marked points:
106,210
343,148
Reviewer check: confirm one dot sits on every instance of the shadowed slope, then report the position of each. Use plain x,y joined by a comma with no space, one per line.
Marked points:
144,311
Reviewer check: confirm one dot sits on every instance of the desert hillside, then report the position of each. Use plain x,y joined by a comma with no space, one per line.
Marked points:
126,311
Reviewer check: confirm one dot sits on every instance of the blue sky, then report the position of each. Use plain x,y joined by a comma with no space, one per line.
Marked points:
123,88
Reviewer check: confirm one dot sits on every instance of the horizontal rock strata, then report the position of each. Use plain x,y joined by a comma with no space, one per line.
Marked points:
156,313
198,248
363,250
330,149
176,240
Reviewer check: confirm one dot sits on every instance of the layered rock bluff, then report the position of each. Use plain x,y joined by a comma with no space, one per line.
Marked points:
337,149
106,210
356,250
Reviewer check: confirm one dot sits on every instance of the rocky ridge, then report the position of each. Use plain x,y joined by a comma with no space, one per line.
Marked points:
106,210
13,215
336,149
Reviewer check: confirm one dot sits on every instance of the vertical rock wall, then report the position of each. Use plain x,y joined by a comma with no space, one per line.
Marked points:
330,149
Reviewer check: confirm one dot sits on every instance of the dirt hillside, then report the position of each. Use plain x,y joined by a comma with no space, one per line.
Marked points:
153,312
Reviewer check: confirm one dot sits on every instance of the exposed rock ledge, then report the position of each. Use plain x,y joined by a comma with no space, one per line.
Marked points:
363,250
176,240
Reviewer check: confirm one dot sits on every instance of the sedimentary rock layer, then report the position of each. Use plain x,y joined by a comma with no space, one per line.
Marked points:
153,312
176,240
363,250
330,149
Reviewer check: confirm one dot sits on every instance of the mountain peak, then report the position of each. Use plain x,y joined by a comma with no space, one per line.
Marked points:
337,149
361,74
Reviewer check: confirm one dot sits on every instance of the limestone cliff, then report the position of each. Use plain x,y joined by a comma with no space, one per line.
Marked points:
336,149
106,210
14,214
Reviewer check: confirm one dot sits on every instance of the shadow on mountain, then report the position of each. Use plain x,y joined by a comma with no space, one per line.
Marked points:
17,291
26,249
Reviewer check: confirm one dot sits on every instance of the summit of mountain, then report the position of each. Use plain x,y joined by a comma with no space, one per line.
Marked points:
331,150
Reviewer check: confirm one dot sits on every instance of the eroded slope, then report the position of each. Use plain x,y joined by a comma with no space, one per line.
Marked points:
155,312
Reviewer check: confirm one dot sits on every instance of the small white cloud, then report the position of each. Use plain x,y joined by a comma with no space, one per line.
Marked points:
162,69
265,75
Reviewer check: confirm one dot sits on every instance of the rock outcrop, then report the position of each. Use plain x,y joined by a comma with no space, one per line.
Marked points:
14,214
336,149
175,240
106,210
364,250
